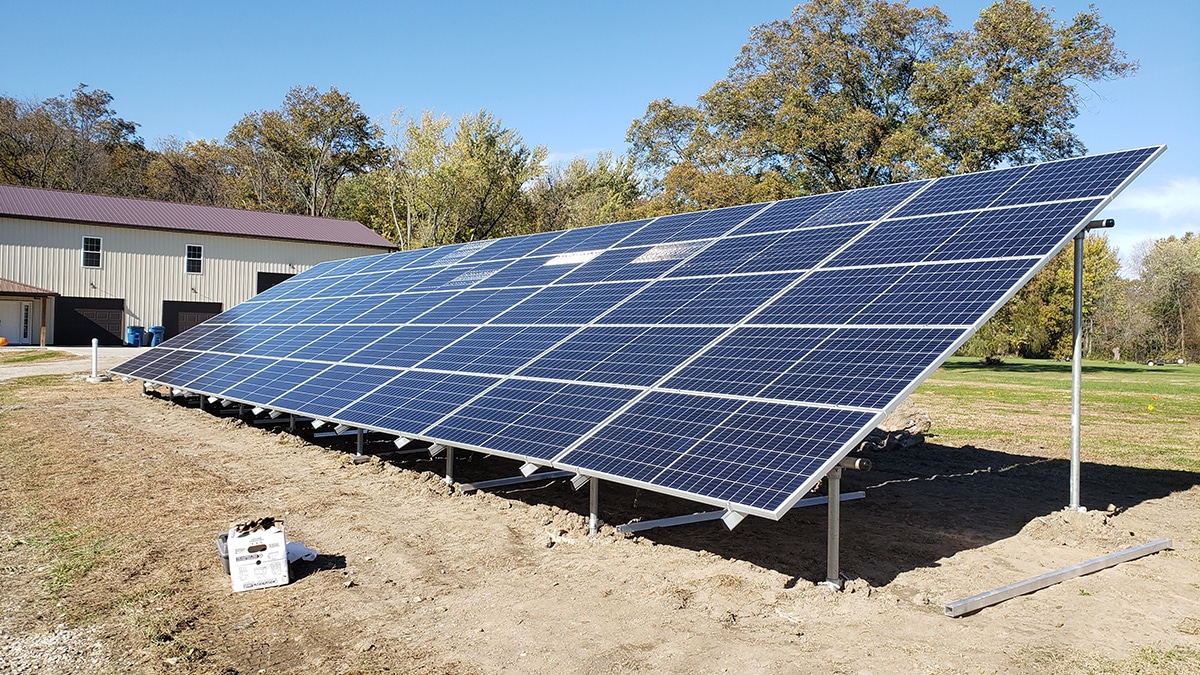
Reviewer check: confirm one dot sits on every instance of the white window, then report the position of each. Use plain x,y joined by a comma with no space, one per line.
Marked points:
91,251
195,259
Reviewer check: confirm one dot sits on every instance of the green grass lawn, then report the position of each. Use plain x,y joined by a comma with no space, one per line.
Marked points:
1132,414
33,356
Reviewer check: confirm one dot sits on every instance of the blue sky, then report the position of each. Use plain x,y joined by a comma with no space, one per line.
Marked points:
570,76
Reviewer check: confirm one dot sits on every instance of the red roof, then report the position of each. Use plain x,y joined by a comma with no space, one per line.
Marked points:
9,287
76,207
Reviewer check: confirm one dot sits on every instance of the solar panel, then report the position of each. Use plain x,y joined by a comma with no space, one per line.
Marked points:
731,357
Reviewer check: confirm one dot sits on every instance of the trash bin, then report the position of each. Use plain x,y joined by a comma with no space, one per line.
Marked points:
134,335
223,550
156,335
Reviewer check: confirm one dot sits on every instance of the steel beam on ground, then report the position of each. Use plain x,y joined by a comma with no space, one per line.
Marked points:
978,602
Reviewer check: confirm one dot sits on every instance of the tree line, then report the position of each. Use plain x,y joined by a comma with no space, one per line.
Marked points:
842,94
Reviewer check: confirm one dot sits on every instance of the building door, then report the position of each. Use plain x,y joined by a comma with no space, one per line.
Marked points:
179,316
16,321
268,279
78,320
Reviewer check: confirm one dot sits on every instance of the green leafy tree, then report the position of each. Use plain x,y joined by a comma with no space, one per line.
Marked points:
466,185
1169,279
196,172
1037,322
584,193
853,93
75,142
294,159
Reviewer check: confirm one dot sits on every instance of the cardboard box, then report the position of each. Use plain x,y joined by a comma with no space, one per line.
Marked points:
258,559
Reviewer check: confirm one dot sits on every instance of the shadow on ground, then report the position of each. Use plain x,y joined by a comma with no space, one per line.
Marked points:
923,504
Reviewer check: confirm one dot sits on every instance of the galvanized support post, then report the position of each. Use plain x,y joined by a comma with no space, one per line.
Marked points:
1077,372
833,573
449,466
594,506
291,423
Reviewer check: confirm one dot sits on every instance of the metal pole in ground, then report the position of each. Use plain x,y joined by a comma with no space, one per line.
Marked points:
833,572
96,376
594,506
1077,372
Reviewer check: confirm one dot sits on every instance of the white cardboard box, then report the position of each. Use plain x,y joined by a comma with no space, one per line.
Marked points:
258,559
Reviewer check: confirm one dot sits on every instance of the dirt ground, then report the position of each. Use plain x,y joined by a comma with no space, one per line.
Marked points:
110,502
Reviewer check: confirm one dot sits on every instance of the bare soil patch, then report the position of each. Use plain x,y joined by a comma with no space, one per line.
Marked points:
110,503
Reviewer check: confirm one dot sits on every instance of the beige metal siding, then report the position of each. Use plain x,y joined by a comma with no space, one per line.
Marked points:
146,267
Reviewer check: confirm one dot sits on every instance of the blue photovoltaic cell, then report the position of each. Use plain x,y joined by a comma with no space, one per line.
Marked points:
531,272
747,361
708,300
333,389
532,419
903,241
1094,176
401,260
155,370
227,374
414,400
291,289
475,307
408,345
859,206
726,255
343,286
144,362
652,434
272,340
345,310
800,249
297,313
350,266
590,238
688,226
200,336
620,355
728,356
273,381
697,445
513,247
830,296
762,454
1025,231
186,372
402,309
397,281
340,343
616,264
498,350
959,193
568,304
951,294
862,367
788,214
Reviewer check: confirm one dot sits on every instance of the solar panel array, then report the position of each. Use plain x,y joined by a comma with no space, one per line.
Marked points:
731,357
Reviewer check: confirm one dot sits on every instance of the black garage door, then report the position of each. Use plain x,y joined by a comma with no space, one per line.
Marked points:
78,320
268,279
179,316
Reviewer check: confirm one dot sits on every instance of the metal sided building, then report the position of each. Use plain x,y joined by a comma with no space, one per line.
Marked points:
97,264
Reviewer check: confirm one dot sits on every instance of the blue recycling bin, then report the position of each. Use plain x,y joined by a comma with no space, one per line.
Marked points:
134,335
156,335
